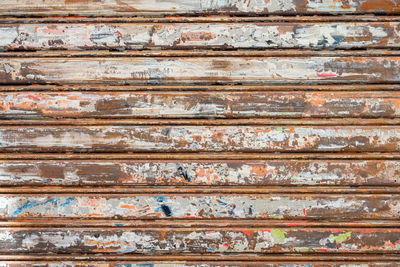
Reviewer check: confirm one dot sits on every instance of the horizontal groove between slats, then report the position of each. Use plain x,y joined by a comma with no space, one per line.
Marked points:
200,122
201,19
209,263
200,88
196,156
202,257
265,53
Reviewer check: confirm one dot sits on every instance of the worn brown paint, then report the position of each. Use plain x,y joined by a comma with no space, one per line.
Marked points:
200,139
205,172
117,36
208,240
264,70
275,154
200,105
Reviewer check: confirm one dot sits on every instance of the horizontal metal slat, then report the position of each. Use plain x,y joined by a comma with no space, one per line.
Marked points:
200,36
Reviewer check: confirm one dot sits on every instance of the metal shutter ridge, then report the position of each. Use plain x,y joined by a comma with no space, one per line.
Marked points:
199,133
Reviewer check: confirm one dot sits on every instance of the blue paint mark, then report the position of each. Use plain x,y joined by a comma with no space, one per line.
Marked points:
338,39
160,199
211,249
167,210
25,206
222,203
52,201
67,201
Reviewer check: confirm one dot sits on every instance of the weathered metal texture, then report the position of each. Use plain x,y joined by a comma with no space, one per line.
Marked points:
205,172
200,70
210,240
199,105
154,7
200,138
105,161
273,206
194,264
199,35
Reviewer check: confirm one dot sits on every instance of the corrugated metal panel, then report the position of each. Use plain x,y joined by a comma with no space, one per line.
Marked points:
200,133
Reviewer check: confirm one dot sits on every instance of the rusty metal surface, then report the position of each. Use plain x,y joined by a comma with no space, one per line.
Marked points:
199,35
315,104
155,70
206,172
200,139
199,133
166,241
273,206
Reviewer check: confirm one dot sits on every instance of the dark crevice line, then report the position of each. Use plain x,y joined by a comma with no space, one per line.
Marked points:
200,88
211,83
69,155
221,18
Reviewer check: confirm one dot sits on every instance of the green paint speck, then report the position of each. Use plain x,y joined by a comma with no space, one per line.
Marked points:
302,249
339,238
278,236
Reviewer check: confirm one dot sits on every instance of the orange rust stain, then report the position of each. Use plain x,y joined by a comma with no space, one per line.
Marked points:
92,202
105,250
130,207
379,5
316,101
196,36
258,170
202,172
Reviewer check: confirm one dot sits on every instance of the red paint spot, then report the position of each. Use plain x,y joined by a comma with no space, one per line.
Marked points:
304,212
51,180
322,75
366,232
36,29
226,245
33,98
321,249
295,224
247,232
